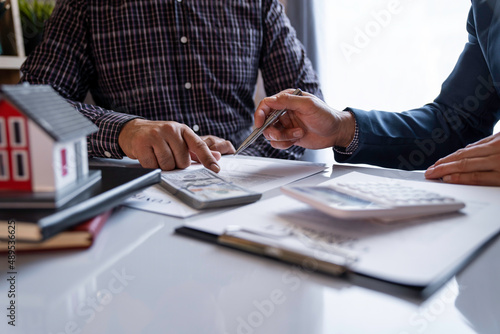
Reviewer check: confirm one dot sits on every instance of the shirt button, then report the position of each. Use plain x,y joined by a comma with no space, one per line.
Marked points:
107,154
188,85
196,127
184,39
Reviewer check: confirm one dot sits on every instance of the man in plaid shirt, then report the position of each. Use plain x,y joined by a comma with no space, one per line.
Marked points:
172,79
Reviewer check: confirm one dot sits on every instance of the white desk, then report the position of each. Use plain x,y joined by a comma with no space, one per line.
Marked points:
140,277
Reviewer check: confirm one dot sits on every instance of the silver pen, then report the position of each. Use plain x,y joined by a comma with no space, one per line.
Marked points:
271,119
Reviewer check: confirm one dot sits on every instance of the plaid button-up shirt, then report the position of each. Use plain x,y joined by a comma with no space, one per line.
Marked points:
190,61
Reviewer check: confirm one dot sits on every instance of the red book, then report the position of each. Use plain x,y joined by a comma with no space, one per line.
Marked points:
80,236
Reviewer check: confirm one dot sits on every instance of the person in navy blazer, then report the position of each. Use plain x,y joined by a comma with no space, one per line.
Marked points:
451,137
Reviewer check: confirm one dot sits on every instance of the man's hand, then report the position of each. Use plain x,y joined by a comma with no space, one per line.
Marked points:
167,145
219,145
476,164
308,122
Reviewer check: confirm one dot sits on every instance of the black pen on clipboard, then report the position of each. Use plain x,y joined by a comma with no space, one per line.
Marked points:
271,119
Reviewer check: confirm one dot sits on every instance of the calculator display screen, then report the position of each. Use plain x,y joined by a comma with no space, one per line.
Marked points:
335,198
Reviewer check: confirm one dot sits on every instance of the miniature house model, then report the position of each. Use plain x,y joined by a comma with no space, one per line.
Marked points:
43,147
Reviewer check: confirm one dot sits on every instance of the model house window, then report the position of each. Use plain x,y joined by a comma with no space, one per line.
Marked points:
17,133
20,160
64,162
78,159
3,133
4,167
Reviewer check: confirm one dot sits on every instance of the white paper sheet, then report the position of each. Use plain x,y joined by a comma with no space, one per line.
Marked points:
412,252
257,174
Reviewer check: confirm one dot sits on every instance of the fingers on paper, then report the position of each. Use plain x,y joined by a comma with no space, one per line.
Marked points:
477,164
219,145
474,178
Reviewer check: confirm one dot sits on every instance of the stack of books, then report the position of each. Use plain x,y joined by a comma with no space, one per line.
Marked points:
78,237
77,223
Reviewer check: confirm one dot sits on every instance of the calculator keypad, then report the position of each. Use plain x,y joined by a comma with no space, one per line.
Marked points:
392,194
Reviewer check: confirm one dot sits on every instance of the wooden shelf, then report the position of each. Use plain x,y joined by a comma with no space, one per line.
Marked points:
12,33
13,45
11,62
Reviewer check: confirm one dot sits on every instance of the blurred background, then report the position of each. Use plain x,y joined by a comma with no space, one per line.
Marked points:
387,54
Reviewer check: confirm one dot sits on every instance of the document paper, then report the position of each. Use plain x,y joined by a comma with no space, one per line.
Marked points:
253,173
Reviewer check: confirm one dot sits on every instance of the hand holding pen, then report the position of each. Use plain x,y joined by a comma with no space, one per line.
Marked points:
309,122
270,120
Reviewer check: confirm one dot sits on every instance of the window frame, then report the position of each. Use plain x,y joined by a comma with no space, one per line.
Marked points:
4,161
3,132
22,134
15,165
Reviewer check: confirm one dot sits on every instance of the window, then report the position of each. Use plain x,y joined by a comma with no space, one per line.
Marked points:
64,162
3,133
388,55
17,132
21,168
4,166
78,159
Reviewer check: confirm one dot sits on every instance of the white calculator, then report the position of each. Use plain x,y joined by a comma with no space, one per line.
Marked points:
373,200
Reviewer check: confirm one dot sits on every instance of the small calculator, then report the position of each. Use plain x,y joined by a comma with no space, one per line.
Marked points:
373,200
203,189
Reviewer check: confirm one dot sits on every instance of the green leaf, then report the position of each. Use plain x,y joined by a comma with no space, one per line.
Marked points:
34,13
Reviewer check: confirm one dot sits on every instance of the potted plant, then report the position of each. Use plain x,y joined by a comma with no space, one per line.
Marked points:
33,14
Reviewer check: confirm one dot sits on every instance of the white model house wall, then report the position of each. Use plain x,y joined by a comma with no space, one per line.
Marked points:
41,148
46,161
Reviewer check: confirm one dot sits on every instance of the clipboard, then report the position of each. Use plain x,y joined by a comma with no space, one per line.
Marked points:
395,262
330,269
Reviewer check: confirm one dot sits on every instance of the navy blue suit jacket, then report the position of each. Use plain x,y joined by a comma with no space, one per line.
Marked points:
465,111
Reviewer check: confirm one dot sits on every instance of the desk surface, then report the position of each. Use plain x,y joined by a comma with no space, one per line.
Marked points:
140,277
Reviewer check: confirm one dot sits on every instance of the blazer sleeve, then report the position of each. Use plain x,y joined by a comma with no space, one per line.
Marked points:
465,111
